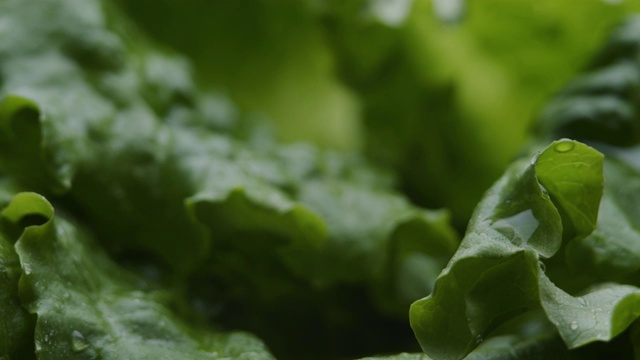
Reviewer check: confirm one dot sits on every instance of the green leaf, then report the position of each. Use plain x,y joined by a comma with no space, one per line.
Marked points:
19,125
87,307
612,252
601,313
131,149
286,71
599,107
495,274
529,336
342,244
454,90
16,326
573,177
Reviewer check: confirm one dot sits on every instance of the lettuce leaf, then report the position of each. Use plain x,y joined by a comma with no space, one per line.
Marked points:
525,337
16,325
599,108
132,149
583,272
391,77
448,105
88,307
271,58
500,269
176,222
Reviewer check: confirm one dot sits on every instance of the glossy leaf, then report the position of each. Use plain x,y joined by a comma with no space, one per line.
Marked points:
496,273
135,151
16,325
87,307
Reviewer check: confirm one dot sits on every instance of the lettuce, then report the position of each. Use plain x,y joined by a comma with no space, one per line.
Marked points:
135,155
144,215
577,261
496,273
446,106
16,325
88,307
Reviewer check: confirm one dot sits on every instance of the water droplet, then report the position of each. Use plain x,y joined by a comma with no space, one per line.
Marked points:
583,301
27,268
78,342
38,345
574,325
534,158
479,339
543,267
564,146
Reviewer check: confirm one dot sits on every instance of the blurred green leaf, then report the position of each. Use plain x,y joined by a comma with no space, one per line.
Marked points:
153,167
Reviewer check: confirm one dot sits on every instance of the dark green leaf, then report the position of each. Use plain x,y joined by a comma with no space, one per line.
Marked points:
16,325
130,149
88,308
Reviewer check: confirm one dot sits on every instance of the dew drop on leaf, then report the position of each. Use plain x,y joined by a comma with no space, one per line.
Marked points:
574,325
583,301
564,146
27,268
78,341
543,267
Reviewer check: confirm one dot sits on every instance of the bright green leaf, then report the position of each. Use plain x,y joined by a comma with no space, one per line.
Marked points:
496,273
